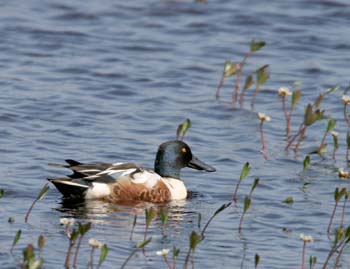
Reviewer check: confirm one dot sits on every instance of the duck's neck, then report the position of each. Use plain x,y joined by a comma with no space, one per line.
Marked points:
165,170
164,167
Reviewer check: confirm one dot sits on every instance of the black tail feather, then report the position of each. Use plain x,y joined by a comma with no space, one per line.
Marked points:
73,162
69,188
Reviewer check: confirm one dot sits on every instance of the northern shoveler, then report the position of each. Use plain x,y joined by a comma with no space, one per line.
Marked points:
127,182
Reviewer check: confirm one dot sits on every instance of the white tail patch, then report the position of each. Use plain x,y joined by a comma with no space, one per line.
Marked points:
98,190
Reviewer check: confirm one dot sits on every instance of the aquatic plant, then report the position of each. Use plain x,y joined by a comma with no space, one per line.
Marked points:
94,244
306,239
40,196
182,129
139,246
150,214
231,69
16,239
29,260
2,192
337,197
164,253
262,75
283,92
244,173
262,117
343,174
335,143
83,229
341,240
133,226
312,114
163,215
246,204
256,260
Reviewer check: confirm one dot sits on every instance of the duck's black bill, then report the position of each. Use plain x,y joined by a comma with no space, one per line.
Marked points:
196,163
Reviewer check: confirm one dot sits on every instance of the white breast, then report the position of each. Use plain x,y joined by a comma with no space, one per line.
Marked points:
177,188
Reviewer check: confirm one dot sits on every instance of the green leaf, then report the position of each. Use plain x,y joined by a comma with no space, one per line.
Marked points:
255,183
336,194
262,75
11,220
142,244
16,239
246,204
335,142
332,89
195,239
150,215
306,163
348,140
104,252
319,100
43,192
176,252
310,116
74,235
199,220
163,214
331,124
28,253
295,98
84,228
2,192
221,208
182,129
288,200
255,46
312,261
256,260
41,241
36,264
245,171
249,81
230,69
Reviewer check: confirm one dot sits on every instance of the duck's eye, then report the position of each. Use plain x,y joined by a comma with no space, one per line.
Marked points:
184,150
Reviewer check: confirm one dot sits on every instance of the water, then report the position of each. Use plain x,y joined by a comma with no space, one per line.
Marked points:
109,81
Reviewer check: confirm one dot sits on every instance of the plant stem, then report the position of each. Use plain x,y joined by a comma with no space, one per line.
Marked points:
287,116
343,213
301,137
257,88
32,206
303,256
69,253
346,117
238,78
91,262
331,220
263,148
234,198
241,223
77,251
133,227
220,86
294,137
128,258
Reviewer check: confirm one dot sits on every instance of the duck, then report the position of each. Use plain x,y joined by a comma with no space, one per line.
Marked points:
131,183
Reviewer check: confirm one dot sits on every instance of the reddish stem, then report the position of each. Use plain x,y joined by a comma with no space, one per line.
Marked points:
263,148
331,220
238,78
303,256
220,86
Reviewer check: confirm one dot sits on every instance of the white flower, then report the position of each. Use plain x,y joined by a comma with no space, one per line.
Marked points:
306,238
263,117
284,92
67,221
346,99
95,243
342,173
163,252
335,134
